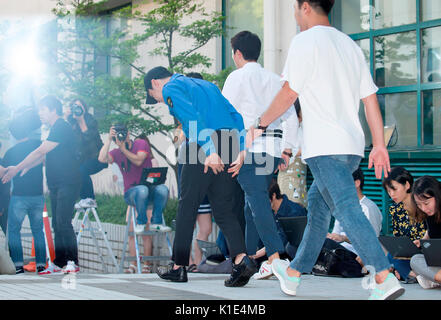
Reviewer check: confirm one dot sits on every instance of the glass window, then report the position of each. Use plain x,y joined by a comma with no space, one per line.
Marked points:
432,117
396,60
242,15
351,16
401,109
392,13
430,9
431,65
365,46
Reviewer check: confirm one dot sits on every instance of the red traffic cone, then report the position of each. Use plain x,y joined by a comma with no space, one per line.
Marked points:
48,234
31,266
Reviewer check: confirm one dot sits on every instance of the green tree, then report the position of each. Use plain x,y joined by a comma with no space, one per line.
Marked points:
95,56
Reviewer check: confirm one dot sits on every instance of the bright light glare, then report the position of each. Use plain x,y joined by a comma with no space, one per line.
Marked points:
24,62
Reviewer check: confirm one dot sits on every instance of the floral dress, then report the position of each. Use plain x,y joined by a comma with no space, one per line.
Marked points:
401,225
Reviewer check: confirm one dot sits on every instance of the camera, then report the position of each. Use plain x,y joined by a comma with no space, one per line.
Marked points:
76,110
121,132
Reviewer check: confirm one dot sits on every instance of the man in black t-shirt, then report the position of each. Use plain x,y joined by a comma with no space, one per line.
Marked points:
27,193
63,180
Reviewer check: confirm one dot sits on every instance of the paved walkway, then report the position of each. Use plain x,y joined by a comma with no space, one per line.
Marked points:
200,287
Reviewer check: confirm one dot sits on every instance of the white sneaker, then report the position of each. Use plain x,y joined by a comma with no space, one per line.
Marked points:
78,206
139,228
71,267
265,271
159,227
390,289
88,203
51,269
426,283
288,284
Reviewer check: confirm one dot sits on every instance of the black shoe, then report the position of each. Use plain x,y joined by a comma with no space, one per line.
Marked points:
178,275
19,270
241,273
40,269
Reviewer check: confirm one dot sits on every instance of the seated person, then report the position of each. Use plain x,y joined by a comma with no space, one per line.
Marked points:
399,185
132,157
427,196
370,210
282,207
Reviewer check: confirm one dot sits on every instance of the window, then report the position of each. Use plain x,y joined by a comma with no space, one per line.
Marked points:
401,40
241,15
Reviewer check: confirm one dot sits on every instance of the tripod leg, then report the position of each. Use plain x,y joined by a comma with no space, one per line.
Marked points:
83,223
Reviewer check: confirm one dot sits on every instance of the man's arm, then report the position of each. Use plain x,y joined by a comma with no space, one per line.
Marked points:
104,156
137,159
34,158
379,157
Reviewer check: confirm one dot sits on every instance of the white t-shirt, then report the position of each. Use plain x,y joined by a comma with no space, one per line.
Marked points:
329,72
250,90
372,213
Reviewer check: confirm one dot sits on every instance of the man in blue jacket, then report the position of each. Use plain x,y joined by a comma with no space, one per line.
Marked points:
214,129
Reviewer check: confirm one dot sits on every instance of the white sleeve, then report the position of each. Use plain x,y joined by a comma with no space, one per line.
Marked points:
299,65
231,89
367,85
338,229
372,219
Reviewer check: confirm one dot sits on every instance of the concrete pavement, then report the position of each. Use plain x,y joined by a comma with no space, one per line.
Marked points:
84,286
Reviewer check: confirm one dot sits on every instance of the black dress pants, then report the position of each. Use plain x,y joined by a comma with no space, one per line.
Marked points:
222,191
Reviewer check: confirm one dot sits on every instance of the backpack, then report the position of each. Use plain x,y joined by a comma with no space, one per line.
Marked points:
337,261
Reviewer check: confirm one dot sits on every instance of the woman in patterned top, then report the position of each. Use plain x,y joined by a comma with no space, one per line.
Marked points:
399,187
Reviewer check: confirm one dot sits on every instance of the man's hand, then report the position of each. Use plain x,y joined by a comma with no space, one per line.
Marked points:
336,237
215,163
10,173
112,134
252,135
285,163
236,165
417,243
379,158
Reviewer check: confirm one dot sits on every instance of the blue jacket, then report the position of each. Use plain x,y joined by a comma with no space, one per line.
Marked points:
288,208
199,105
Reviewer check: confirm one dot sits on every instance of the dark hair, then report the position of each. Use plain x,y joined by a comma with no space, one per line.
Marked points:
24,122
400,175
86,109
195,75
274,189
359,175
427,187
323,5
297,107
248,43
52,103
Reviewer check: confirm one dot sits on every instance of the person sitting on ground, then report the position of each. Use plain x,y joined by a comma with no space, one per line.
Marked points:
27,193
399,187
426,193
282,207
370,210
85,127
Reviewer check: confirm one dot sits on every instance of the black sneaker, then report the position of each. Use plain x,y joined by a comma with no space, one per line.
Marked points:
178,275
19,270
40,269
241,273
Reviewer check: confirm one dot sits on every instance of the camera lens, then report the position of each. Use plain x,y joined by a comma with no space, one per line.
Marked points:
77,110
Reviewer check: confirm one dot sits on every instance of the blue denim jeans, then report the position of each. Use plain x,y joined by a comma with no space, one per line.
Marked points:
333,193
141,196
19,207
255,177
402,266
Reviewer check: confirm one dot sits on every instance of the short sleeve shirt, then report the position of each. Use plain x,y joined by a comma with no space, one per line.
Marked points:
328,71
131,173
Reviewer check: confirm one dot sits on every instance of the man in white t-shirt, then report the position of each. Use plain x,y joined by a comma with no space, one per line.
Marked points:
369,208
327,71
251,89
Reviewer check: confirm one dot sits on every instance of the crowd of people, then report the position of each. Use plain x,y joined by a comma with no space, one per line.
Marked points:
231,145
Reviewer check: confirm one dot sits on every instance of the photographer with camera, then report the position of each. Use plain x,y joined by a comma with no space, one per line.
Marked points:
132,157
86,128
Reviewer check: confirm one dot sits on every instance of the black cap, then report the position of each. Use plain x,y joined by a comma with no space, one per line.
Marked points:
155,73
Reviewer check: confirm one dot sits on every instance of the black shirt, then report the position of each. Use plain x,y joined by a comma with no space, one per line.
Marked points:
62,165
90,140
434,228
31,184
